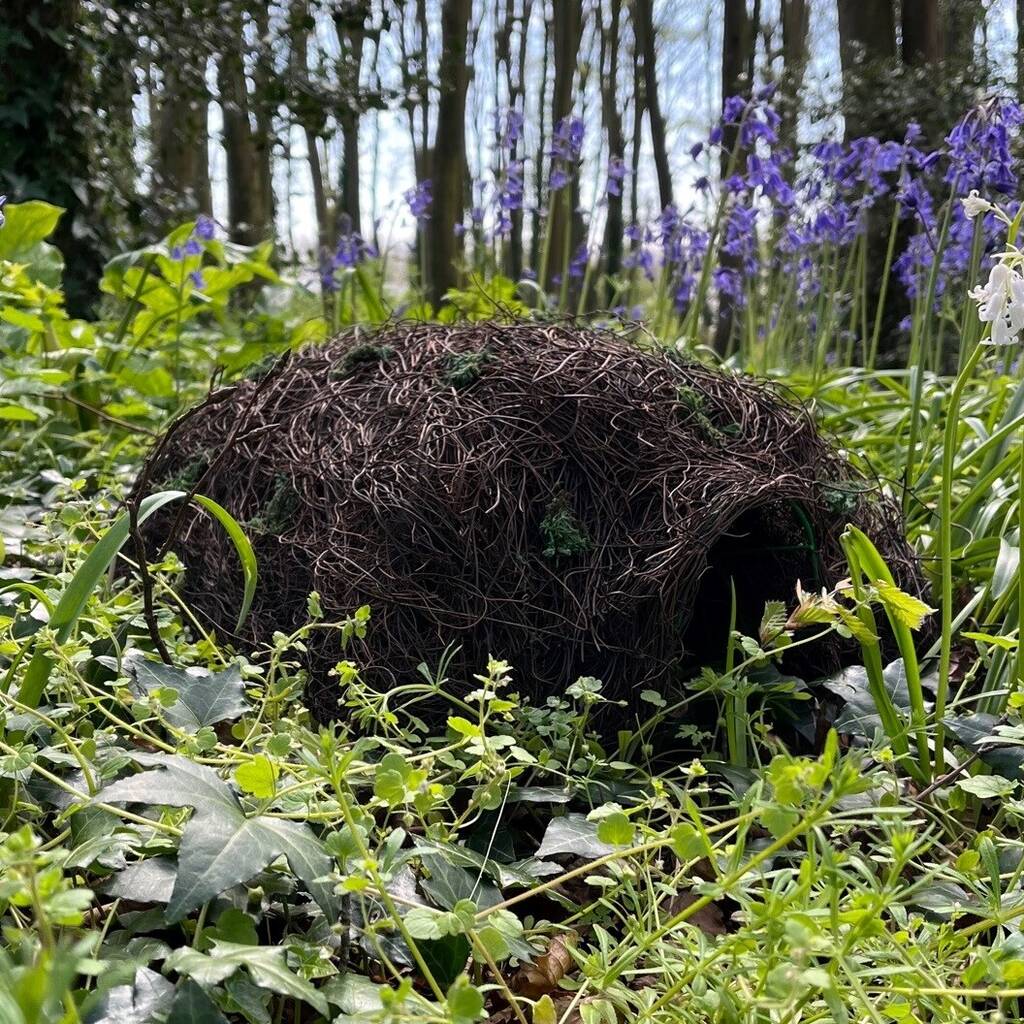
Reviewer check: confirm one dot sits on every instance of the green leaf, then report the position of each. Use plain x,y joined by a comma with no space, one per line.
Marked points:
90,572
136,1003
148,881
445,957
987,787
265,965
616,830
258,777
27,321
465,1002
204,697
427,923
909,611
544,1011
573,834
220,846
26,225
193,1006
449,883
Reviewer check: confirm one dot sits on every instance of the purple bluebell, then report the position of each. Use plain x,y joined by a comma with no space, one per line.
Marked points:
204,228
419,198
616,175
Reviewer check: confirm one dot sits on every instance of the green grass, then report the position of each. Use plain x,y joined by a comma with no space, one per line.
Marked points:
183,840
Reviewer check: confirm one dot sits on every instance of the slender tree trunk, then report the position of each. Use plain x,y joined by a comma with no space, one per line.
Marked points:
612,117
643,26
350,23
182,167
959,24
737,46
538,161
568,25
516,19
247,205
449,150
922,32
795,28
263,106
1020,49
737,43
299,31
867,51
636,142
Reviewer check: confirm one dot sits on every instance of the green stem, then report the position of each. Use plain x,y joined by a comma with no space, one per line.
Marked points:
946,550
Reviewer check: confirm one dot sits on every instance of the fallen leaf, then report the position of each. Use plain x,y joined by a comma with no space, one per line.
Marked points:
543,975
711,920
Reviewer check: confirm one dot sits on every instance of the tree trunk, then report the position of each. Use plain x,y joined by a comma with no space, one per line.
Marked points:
737,46
922,32
299,56
1020,49
264,103
44,139
737,43
182,166
514,61
612,117
643,26
449,150
536,225
796,16
959,23
567,26
867,54
350,23
248,207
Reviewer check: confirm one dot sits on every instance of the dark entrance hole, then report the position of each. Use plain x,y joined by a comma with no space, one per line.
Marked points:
763,552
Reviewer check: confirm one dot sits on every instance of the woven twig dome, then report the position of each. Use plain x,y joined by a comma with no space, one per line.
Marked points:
551,495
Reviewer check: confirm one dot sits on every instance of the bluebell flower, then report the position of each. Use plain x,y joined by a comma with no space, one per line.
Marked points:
204,228
419,198
733,109
579,261
616,175
197,279
177,254
192,248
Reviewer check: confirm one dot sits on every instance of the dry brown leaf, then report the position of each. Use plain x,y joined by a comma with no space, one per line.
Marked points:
710,920
543,975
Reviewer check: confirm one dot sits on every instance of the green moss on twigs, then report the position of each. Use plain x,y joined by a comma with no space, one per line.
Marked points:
276,516
361,354
465,367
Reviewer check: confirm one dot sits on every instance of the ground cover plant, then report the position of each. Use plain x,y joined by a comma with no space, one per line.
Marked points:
182,842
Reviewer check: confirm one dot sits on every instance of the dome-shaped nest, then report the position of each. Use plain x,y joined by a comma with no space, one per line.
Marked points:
554,496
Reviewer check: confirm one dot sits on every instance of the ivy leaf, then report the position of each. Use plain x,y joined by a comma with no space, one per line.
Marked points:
137,1003
265,965
193,1006
147,881
204,697
573,834
987,787
220,846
